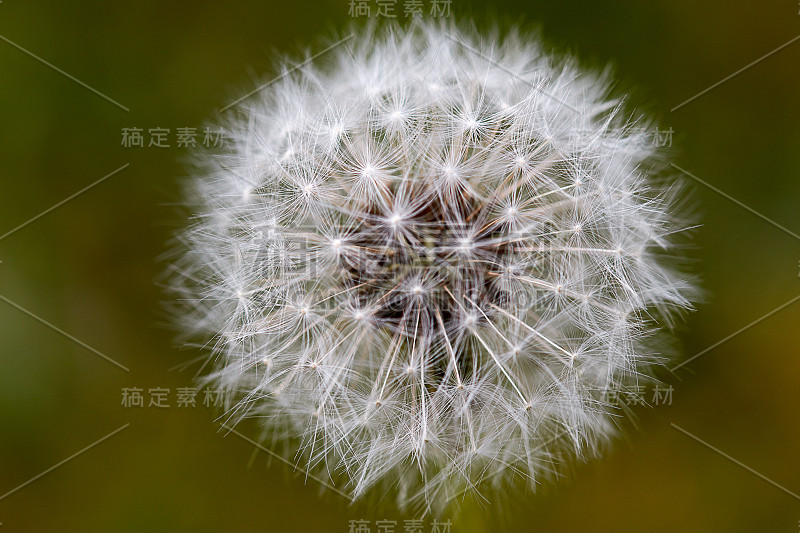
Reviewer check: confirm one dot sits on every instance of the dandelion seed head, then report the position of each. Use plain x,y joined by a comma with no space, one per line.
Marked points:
430,269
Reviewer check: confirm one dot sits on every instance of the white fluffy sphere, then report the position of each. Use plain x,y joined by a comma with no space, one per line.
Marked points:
431,260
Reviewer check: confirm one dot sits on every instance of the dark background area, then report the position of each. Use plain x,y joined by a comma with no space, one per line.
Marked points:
89,269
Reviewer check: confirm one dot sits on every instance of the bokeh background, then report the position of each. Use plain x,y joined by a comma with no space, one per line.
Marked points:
89,268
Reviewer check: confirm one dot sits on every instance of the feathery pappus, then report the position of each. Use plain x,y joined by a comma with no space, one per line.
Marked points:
428,259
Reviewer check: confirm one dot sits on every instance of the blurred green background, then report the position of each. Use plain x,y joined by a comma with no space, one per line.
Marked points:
88,268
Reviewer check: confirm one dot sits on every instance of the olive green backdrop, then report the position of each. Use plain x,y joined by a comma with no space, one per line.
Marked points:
89,267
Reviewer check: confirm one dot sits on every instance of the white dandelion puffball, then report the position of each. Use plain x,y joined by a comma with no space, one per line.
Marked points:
429,261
